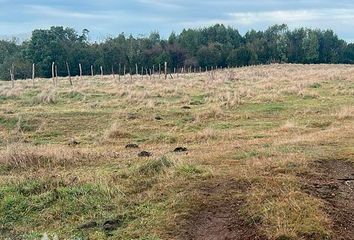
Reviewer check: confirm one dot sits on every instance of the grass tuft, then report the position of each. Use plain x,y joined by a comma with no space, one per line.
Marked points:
47,96
155,166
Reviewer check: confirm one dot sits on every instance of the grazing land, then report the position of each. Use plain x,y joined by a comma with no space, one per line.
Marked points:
264,152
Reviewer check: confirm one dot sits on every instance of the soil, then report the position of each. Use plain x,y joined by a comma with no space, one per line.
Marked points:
334,184
132,145
181,149
144,154
219,217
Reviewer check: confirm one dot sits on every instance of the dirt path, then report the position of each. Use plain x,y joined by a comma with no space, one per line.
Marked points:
334,183
219,216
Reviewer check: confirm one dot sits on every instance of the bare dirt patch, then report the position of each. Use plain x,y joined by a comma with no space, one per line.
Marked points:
219,215
334,183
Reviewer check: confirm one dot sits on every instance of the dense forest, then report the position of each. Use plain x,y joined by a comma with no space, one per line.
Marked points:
205,47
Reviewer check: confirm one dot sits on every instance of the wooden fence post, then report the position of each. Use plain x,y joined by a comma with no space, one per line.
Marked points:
165,70
80,68
101,68
53,72
92,74
56,74
114,76
136,69
69,75
159,70
33,74
12,75
119,71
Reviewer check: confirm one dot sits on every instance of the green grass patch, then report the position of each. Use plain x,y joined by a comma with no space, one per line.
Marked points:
73,95
247,154
155,166
8,122
315,85
28,204
198,99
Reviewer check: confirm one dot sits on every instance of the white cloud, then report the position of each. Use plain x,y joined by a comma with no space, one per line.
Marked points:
169,4
63,13
107,16
142,16
292,16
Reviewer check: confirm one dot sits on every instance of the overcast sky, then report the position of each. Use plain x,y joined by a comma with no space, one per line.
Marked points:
139,17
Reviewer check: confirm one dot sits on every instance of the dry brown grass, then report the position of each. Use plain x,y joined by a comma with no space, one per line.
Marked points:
26,156
346,112
263,125
116,132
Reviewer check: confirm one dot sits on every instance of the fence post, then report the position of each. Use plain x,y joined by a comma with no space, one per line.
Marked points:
165,70
101,72
114,76
12,76
69,75
159,70
119,71
33,74
92,71
53,72
56,74
80,68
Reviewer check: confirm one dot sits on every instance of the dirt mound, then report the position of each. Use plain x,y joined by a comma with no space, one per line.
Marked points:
334,183
132,145
145,154
219,217
180,149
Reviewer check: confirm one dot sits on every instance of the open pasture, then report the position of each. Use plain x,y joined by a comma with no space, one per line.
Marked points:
262,152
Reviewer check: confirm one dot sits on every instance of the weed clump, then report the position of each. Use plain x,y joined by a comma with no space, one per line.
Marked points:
155,166
115,132
23,156
344,113
47,96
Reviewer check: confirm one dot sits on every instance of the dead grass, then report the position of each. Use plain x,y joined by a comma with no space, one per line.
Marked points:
116,132
346,112
262,125
47,96
25,156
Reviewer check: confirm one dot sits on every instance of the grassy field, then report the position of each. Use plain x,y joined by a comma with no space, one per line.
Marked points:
257,140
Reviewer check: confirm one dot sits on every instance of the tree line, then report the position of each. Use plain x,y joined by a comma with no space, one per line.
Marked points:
215,46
